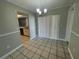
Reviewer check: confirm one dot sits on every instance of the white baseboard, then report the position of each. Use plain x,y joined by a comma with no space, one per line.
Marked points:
9,53
32,37
76,34
54,38
70,54
58,39
61,39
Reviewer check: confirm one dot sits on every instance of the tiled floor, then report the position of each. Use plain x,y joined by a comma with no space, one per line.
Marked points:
42,48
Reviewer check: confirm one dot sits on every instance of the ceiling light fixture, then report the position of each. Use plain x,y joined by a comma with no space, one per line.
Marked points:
45,10
40,12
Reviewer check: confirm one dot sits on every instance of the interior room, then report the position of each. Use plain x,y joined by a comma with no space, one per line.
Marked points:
39,29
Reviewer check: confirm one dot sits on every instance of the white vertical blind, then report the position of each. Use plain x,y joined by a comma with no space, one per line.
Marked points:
42,27
48,26
54,27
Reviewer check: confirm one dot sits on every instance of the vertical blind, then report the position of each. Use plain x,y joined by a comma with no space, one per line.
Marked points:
48,26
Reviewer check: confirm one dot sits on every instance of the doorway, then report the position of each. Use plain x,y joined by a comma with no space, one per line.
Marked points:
23,21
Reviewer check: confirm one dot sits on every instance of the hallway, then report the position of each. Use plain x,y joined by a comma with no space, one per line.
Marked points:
42,48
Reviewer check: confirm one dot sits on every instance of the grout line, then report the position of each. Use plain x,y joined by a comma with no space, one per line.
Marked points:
22,53
41,52
36,50
56,49
34,53
64,50
49,51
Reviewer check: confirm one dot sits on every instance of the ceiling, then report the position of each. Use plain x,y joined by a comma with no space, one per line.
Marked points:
31,5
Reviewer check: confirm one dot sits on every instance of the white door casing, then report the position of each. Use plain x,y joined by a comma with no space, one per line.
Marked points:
70,22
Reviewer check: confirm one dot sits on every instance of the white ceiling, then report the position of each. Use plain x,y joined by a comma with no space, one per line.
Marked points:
33,4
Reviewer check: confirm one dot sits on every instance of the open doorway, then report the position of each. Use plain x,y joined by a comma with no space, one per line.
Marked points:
23,21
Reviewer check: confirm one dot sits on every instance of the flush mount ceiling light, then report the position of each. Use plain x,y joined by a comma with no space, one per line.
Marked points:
40,12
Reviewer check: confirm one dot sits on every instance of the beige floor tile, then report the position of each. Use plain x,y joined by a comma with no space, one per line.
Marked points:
68,57
43,44
60,49
30,47
21,49
36,46
30,54
45,54
8,57
35,42
36,56
42,58
53,47
53,51
26,58
33,45
47,49
48,45
39,52
41,47
60,57
20,56
60,46
16,53
61,54
34,49
26,51
51,56
66,50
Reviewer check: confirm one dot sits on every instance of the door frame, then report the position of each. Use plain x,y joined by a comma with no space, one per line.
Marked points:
70,22
23,13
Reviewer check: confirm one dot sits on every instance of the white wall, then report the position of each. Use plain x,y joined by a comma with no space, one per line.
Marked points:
32,26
